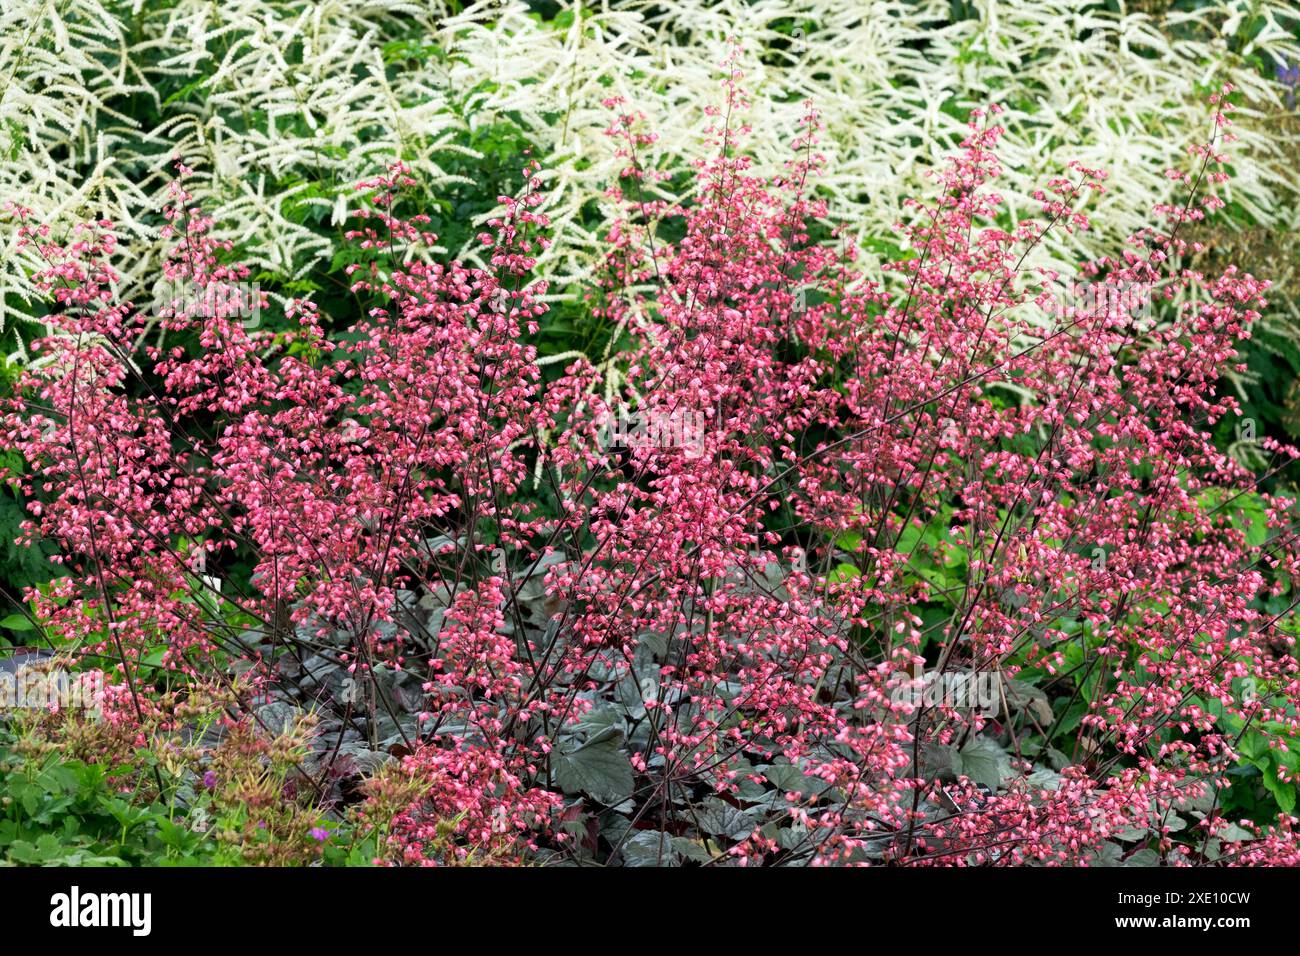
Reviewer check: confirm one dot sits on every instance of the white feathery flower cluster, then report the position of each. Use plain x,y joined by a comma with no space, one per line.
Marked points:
282,106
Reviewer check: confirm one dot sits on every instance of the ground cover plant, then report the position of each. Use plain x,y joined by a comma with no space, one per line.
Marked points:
935,562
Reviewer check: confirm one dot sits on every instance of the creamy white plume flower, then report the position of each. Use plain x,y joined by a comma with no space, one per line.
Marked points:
297,100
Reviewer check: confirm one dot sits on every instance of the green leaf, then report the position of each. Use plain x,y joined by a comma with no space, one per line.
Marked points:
692,850
17,622
983,761
1143,858
722,819
1235,834
790,779
649,848
599,769
842,573
1283,793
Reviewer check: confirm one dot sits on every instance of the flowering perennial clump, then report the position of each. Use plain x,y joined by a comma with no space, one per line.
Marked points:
652,652
280,106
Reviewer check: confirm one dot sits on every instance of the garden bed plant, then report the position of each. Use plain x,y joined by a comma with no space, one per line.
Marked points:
931,564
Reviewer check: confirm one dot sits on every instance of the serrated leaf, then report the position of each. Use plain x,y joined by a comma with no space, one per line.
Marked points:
649,848
693,850
789,778
1234,834
983,761
1283,793
599,769
1143,858
722,819
842,573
